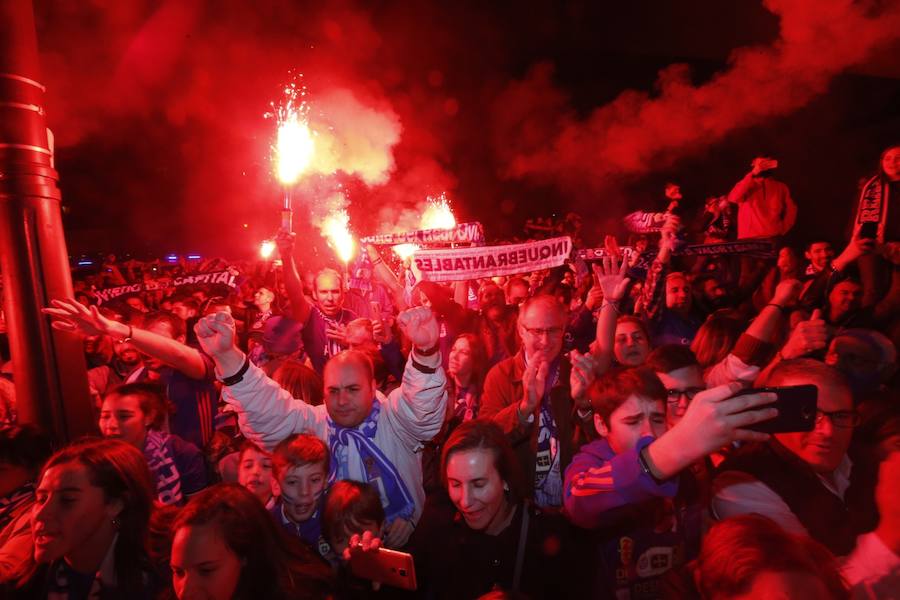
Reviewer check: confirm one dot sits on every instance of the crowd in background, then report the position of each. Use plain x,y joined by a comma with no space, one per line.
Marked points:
583,431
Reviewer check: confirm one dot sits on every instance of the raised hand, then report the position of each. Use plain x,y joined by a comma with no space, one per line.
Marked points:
668,234
714,418
285,242
762,164
611,278
380,333
717,417
72,316
584,372
808,337
216,334
420,326
338,333
787,292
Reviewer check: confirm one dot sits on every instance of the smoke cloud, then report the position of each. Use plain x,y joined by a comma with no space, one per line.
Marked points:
157,109
540,137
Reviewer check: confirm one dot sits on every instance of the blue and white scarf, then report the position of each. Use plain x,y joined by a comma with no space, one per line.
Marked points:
380,473
547,472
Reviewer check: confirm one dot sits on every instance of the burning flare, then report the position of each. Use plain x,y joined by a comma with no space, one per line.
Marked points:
438,214
336,229
295,145
266,249
404,251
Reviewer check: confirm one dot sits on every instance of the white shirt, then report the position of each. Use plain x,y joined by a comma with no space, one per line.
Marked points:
872,570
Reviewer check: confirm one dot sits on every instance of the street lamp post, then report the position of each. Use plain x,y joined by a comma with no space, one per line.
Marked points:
48,366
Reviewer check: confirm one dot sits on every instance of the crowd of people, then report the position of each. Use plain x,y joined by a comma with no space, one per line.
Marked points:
590,431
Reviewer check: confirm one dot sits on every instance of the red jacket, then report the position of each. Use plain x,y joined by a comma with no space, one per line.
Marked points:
765,207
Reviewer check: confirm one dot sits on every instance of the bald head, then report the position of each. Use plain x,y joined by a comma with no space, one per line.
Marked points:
349,387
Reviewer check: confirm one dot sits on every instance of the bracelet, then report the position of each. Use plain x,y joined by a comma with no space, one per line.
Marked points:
608,303
430,351
644,462
422,368
778,306
237,377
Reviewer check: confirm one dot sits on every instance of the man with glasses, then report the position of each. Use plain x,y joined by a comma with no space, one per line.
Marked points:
799,480
678,370
539,398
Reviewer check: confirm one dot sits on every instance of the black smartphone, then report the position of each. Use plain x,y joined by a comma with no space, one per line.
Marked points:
868,230
796,406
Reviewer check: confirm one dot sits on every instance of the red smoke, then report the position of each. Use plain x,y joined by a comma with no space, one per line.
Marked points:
539,136
415,98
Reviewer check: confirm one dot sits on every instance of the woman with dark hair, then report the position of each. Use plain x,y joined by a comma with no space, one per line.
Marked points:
89,522
631,345
226,546
750,556
716,337
452,317
465,378
487,530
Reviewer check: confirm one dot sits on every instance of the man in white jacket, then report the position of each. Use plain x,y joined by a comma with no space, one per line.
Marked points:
372,438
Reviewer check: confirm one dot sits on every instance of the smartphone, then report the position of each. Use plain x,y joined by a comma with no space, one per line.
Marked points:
868,230
796,406
386,566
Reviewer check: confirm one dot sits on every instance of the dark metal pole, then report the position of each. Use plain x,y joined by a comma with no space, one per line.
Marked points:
48,366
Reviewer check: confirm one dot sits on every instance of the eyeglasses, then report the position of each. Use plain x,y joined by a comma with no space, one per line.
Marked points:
537,332
674,396
838,418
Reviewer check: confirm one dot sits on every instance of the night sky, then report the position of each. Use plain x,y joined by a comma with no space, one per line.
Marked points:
514,109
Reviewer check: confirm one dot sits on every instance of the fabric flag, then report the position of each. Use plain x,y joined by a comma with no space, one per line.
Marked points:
461,264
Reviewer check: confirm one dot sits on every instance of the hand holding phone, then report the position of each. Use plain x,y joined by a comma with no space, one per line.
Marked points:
796,406
383,566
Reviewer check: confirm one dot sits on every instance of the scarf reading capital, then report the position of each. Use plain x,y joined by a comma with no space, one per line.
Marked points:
227,277
461,264
380,473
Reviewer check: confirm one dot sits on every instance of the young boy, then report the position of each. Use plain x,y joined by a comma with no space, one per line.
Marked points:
300,464
255,473
634,485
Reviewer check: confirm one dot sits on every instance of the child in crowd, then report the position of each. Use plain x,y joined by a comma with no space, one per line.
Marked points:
255,473
300,464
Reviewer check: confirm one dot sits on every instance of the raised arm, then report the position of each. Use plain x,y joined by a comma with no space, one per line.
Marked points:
420,402
266,412
71,316
652,298
293,285
715,418
746,186
387,277
613,283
